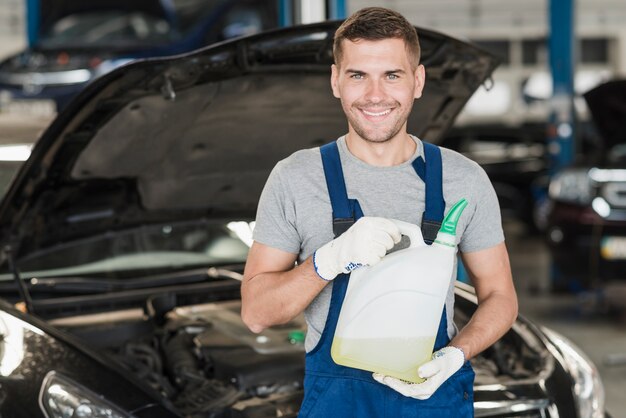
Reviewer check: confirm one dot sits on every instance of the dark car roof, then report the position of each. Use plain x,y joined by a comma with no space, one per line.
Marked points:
197,135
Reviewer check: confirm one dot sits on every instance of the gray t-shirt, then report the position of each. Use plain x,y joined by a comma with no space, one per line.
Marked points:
295,214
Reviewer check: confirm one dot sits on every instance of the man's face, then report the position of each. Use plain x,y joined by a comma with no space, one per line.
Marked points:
377,86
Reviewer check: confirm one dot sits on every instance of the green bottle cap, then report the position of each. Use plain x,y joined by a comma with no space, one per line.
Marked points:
296,336
448,226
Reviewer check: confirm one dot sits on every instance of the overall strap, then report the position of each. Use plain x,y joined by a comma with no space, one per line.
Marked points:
344,208
432,174
345,212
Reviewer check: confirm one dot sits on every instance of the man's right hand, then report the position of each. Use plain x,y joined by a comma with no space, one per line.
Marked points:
364,243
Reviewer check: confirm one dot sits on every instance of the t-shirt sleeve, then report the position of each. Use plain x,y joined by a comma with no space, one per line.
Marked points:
275,218
484,228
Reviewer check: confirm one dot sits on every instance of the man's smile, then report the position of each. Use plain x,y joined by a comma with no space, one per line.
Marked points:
379,113
378,121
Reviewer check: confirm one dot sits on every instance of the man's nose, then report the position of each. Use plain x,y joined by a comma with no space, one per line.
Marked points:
375,91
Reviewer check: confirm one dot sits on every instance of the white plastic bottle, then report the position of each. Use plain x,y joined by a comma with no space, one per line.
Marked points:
391,312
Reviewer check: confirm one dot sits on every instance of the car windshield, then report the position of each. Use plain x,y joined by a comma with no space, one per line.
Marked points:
119,27
144,250
105,28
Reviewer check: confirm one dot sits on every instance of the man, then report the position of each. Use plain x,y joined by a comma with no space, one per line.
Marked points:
371,171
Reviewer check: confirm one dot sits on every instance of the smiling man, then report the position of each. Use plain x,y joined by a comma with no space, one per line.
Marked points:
312,209
376,97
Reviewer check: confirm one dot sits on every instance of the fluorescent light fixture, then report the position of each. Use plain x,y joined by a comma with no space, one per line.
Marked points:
47,78
600,175
18,152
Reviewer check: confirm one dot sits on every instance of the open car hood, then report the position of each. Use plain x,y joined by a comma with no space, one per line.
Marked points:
196,135
607,104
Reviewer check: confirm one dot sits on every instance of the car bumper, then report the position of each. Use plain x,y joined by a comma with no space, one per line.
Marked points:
46,99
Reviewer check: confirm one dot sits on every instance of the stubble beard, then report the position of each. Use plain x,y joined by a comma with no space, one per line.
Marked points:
372,135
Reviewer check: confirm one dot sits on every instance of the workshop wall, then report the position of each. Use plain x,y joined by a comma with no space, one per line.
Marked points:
12,26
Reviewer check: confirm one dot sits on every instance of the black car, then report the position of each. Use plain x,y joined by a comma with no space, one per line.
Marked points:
78,41
514,158
126,232
587,221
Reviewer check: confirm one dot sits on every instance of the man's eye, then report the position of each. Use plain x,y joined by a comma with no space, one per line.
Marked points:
392,76
357,76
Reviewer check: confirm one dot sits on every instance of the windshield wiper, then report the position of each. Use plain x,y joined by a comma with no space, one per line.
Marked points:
105,285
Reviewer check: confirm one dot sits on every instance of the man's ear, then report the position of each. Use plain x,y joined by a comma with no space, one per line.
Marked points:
420,79
334,77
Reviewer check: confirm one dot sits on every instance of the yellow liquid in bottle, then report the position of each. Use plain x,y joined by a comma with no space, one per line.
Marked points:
397,357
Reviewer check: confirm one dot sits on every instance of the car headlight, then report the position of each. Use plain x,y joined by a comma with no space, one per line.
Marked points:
572,185
60,397
588,388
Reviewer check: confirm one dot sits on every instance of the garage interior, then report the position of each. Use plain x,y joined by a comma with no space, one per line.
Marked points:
519,98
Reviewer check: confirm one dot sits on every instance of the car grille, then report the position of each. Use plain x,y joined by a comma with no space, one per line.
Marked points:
615,194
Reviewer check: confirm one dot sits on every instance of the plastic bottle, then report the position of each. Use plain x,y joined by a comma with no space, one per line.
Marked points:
391,312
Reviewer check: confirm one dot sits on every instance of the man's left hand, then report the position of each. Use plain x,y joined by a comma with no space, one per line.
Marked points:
444,363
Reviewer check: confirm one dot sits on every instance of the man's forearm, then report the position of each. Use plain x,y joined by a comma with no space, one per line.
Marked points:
277,297
493,318
273,291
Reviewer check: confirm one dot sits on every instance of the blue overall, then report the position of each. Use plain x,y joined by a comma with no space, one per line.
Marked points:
331,390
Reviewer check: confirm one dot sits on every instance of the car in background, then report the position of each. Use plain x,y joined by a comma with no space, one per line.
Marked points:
587,220
514,158
125,235
80,40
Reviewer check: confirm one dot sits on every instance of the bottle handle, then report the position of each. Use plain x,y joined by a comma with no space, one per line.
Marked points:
412,231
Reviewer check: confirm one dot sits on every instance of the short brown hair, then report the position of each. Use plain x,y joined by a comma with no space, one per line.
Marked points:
377,23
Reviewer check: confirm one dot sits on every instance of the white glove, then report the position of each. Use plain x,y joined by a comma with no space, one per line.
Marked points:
364,243
444,364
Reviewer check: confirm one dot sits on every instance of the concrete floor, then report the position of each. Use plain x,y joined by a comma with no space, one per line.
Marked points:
21,129
577,317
